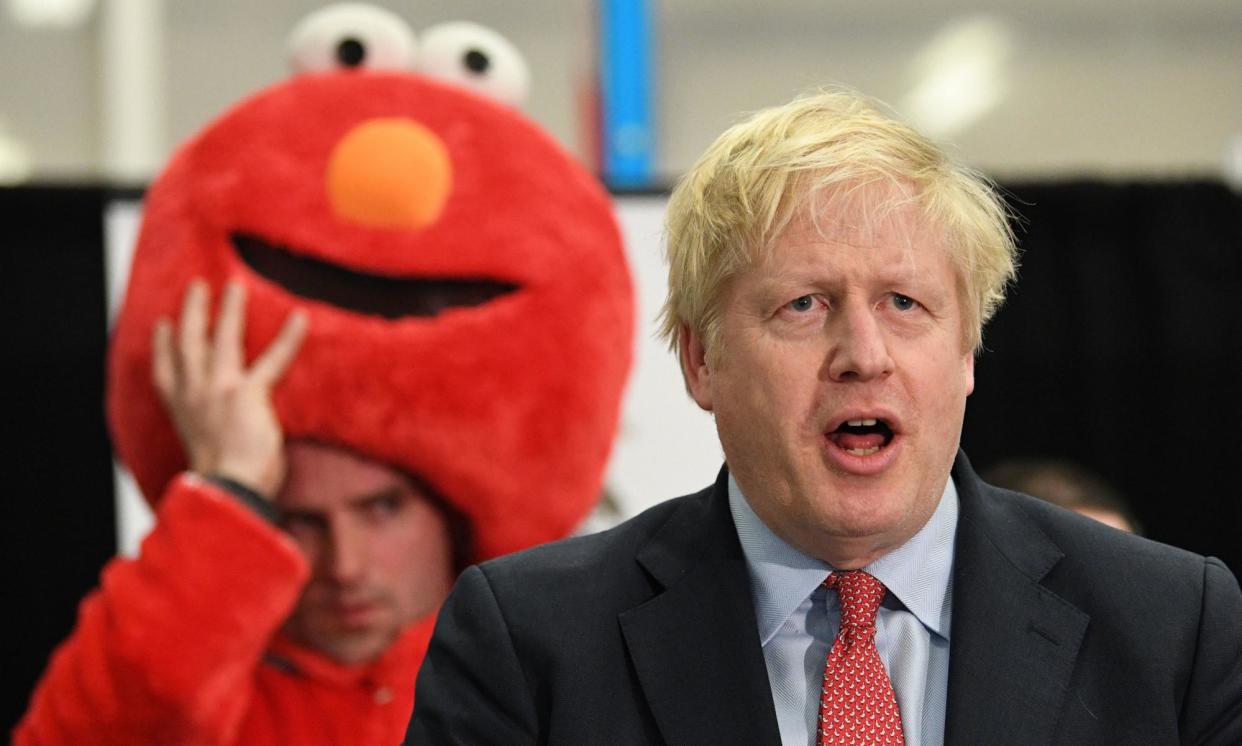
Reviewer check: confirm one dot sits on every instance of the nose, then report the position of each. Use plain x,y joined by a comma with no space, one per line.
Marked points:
389,173
346,559
860,349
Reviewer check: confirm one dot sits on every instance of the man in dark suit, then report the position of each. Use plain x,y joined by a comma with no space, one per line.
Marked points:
848,576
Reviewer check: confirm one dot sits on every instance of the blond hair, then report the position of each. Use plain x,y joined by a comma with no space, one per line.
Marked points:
725,213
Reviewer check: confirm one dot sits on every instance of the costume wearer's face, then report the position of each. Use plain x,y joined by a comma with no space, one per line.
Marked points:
380,553
856,321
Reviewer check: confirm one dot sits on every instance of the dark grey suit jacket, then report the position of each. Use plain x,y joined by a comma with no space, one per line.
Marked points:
1064,632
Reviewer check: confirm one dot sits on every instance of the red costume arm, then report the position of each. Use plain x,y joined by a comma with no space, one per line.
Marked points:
166,648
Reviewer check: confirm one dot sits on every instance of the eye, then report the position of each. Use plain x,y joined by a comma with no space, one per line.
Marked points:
801,304
384,507
351,35
477,58
303,525
904,302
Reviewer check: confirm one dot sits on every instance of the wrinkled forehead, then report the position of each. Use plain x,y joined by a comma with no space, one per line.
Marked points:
867,216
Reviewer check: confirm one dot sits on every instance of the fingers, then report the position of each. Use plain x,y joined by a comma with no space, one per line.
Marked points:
271,365
226,348
163,367
192,336
222,409
188,359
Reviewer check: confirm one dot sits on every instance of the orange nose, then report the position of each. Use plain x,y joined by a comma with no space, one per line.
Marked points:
389,173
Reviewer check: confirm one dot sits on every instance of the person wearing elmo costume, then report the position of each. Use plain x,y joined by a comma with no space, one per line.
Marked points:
422,329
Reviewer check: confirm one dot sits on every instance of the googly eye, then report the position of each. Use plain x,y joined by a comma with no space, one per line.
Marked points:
351,35
475,57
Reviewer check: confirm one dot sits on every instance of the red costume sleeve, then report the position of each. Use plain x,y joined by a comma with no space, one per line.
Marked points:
166,648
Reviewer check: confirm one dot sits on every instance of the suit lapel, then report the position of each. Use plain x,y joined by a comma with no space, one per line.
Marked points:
695,646
1013,642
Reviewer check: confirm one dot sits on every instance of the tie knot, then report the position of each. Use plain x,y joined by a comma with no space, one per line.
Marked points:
860,595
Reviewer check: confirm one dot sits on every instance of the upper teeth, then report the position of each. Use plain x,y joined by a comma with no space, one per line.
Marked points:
861,423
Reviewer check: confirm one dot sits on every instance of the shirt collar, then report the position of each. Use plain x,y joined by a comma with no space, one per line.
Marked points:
918,573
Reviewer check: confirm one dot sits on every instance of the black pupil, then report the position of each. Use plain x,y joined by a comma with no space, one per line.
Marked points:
351,52
477,62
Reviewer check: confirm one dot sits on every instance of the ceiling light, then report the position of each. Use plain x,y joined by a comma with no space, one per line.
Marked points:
14,161
960,75
50,13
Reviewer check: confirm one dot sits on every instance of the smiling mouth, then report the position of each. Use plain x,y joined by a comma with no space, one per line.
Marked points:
375,295
862,437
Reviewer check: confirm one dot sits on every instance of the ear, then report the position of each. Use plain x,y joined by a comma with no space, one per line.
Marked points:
969,372
694,368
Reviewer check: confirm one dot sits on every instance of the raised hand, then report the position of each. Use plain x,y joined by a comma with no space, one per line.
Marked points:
223,410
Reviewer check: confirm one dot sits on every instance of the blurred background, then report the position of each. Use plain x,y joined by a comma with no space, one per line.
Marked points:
1115,128
1056,88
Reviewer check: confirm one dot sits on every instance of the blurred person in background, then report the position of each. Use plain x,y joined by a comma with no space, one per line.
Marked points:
1069,485
279,596
422,328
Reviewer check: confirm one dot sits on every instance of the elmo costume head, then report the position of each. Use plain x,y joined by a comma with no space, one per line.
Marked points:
470,308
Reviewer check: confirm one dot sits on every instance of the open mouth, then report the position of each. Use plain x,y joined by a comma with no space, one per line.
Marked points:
862,437
376,295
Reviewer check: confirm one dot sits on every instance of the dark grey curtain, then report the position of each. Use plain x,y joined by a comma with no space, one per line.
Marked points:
1121,349
58,517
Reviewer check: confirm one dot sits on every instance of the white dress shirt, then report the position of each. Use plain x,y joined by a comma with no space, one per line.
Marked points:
798,620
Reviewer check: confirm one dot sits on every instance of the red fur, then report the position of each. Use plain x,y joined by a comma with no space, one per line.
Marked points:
508,409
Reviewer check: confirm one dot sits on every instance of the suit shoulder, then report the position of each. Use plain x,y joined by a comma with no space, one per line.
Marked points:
1099,557
559,566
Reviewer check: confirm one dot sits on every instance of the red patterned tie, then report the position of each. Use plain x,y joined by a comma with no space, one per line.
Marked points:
857,705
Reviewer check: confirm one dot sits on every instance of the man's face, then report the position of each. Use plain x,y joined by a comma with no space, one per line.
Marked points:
380,553
856,321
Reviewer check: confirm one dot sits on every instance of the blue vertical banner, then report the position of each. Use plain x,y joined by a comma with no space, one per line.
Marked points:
625,82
